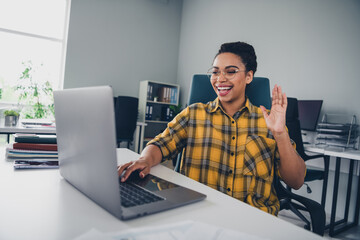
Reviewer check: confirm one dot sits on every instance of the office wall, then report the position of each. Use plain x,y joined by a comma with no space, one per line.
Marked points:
311,47
121,42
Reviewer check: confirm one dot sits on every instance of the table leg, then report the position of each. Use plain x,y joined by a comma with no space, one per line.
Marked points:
348,193
335,195
357,207
325,180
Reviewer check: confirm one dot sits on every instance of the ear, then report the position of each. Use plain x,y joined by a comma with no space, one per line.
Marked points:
249,77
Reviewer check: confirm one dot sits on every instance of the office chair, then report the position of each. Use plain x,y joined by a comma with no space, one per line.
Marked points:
316,210
258,92
293,125
126,113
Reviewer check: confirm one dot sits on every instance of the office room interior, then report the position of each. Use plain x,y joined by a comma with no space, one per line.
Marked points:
310,48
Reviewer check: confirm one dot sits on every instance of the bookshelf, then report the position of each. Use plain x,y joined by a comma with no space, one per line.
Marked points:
155,99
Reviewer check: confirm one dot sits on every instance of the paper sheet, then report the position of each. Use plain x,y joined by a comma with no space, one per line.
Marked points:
186,230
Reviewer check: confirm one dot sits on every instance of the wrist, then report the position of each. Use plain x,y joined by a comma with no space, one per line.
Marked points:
281,136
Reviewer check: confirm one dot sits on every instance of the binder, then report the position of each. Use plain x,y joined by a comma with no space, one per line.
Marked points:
35,138
35,146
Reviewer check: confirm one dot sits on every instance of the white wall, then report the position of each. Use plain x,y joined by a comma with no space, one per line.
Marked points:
310,47
121,42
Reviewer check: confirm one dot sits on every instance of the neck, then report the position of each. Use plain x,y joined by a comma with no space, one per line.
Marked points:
232,107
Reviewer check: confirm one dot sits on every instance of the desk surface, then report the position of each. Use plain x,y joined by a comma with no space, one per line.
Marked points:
40,204
334,152
50,130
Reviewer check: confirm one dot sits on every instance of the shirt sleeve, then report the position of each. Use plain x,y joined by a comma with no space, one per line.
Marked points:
173,138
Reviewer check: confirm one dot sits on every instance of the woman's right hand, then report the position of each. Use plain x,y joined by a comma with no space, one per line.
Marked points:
141,165
150,156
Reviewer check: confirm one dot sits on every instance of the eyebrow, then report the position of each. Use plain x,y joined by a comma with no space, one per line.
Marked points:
231,66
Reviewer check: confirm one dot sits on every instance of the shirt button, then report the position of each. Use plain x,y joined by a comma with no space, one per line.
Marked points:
228,189
232,154
233,138
230,171
232,122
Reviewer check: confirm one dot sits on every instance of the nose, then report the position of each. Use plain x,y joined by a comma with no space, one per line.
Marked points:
221,77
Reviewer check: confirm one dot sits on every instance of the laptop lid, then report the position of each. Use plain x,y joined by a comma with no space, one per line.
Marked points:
87,143
86,137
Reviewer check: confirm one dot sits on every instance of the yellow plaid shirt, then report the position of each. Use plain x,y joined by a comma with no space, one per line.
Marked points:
233,154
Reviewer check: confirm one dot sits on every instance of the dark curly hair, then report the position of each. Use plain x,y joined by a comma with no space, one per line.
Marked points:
245,51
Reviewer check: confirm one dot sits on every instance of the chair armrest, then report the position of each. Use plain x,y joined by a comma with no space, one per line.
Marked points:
307,157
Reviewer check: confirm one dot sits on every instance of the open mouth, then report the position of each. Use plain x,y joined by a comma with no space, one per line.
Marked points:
223,90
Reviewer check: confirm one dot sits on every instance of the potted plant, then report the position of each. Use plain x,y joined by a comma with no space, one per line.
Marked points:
35,93
11,117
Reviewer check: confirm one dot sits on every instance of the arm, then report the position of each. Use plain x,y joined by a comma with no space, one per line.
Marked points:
167,144
150,156
292,166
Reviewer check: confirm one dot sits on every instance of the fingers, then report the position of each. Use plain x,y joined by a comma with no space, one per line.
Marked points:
285,100
131,167
278,97
274,95
121,168
264,111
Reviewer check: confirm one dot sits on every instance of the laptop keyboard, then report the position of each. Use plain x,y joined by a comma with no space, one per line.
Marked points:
133,195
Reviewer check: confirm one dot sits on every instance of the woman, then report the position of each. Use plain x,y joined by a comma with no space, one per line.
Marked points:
230,144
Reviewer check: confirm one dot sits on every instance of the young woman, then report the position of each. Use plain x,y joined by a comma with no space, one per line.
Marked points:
230,144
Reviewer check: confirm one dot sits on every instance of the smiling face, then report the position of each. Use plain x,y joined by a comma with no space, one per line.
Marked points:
231,87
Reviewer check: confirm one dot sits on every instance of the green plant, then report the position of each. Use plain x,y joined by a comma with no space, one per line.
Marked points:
176,109
11,113
36,92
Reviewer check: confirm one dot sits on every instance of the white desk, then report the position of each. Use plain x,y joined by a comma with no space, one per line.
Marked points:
336,227
39,204
138,140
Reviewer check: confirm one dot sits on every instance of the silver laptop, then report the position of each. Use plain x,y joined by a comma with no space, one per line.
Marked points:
86,138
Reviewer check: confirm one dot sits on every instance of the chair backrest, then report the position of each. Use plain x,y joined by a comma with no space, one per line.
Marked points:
293,125
126,113
258,91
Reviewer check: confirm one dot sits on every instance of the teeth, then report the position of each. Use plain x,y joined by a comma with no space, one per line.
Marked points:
224,88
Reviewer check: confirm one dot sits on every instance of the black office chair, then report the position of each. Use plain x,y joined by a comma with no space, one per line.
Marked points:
258,91
293,125
316,211
126,113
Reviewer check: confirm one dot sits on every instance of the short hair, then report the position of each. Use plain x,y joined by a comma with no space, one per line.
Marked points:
245,51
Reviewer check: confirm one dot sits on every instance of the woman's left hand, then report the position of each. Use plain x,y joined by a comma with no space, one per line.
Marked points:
276,120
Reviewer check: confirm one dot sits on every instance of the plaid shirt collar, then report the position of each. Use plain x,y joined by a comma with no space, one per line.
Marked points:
215,105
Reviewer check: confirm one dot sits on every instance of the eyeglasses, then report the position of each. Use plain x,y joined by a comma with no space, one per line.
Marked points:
228,73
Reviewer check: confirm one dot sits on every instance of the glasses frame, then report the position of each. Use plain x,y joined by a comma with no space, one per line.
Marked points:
222,72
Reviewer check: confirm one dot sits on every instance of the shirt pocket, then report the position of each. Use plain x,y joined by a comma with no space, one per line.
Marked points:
258,156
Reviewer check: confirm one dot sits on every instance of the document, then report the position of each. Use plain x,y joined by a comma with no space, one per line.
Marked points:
186,230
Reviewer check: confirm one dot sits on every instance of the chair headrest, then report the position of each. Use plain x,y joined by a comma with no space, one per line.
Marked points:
292,112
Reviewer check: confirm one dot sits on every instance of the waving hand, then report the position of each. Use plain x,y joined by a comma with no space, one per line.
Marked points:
275,121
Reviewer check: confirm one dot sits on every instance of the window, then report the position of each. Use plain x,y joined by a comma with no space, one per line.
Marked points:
33,36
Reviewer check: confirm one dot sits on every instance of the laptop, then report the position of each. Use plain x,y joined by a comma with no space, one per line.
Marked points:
86,138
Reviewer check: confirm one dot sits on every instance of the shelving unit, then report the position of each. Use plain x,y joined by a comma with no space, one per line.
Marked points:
338,131
155,99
